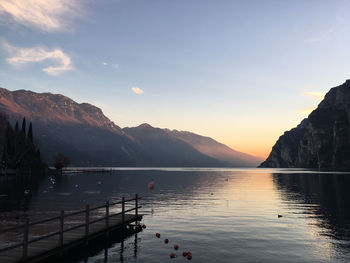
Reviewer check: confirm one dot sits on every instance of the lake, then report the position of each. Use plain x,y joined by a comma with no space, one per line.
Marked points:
220,215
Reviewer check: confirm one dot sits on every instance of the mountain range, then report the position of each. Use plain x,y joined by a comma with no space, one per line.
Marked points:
83,133
320,141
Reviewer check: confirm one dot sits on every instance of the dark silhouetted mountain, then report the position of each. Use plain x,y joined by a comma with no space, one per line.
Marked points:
160,148
320,141
84,134
216,150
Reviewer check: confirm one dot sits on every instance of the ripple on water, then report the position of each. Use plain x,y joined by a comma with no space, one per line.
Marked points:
237,223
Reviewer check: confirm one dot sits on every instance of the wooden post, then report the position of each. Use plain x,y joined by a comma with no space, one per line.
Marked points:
61,228
25,239
123,210
136,207
121,258
107,214
87,220
135,245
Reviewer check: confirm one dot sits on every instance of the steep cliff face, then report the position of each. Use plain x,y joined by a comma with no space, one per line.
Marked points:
322,140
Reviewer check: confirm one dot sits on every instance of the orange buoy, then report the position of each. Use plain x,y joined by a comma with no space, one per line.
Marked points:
143,226
189,256
150,186
166,241
176,247
158,235
184,253
171,255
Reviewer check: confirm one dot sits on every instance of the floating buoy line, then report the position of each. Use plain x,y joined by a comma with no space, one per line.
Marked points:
185,254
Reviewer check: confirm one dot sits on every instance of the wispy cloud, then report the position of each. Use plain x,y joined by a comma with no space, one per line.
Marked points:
46,15
306,111
19,56
115,66
322,35
314,95
137,90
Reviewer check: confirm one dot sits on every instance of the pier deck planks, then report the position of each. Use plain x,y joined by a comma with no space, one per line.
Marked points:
42,249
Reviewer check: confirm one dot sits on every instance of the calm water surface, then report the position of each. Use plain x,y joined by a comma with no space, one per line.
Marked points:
221,215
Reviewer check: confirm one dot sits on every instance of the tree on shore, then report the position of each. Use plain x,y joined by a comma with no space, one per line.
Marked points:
19,150
60,161
30,132
3,125
24,126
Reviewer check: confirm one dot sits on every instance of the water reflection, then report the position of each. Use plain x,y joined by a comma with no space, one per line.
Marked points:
325,198
113,250
16,191
218,214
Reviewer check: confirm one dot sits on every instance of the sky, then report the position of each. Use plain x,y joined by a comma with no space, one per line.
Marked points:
241,72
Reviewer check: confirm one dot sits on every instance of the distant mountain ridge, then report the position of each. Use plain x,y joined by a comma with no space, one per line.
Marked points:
156,146
320,141
89,138
214,149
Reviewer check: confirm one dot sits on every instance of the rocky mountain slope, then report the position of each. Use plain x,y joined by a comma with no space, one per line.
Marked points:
81,131
53,108
320,141
89,138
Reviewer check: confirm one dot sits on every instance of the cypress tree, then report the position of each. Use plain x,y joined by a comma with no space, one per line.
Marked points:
9,147
30,133
16,127
24,126
19,150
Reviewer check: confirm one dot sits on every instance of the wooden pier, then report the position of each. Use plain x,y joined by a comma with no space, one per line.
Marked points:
65,239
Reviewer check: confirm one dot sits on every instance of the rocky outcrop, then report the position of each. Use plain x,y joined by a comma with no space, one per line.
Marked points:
322,140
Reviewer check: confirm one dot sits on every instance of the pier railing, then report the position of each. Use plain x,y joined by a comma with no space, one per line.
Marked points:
60,221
